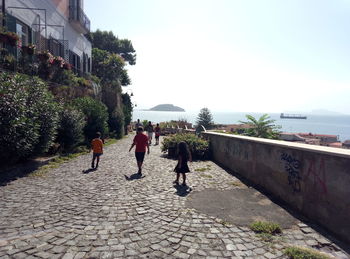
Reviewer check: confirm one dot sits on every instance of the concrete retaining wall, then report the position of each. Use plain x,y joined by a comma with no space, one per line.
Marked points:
314,180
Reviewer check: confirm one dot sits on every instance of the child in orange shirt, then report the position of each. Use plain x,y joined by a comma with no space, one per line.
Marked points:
97,148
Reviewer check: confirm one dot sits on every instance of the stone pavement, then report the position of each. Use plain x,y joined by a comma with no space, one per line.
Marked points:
110,213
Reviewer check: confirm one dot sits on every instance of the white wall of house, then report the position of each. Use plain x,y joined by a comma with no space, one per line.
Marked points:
77,42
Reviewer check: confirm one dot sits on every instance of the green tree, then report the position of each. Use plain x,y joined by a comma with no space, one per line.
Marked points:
70,132
116,123
264,127
127,108
28,117
96,116
105,40
109,67
205,118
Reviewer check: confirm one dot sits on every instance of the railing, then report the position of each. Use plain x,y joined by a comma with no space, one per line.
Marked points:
77,14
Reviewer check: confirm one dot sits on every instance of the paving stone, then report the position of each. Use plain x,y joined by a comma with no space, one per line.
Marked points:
311,242
269,255
80,255
231,247
106,214
68,256
241,247
44,255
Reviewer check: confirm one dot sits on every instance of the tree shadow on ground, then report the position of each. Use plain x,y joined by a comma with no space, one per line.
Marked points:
182,190
132,177
20,170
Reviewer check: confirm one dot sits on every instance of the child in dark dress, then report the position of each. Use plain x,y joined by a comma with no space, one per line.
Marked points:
184,155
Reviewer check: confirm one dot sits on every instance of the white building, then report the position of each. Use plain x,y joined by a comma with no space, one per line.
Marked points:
55,25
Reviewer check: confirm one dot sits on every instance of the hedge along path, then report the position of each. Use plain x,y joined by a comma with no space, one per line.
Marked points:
102,214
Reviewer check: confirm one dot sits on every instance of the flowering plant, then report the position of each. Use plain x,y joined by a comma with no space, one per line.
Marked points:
58,61
29,49
9,37
46,56
67,66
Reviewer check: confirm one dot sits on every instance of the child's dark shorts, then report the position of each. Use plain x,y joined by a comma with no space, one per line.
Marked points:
140,156
94,155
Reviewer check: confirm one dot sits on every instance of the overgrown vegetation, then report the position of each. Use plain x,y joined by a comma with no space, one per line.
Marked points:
96,116
56,162
31,120
203,169
199,147
65,111
295,252
265,227
29,117
70,132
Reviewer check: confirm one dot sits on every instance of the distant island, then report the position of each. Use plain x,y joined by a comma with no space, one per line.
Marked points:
167,108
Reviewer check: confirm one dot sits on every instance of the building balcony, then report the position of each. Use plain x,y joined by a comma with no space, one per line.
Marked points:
78,19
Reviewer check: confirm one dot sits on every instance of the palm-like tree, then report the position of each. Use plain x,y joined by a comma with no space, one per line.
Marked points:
264,127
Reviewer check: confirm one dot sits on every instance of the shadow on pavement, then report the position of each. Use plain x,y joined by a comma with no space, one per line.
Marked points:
285,206
135,176
89,170
182,190
20,170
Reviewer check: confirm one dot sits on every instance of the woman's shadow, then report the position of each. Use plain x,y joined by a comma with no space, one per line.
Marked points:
135,176
182,190
89,170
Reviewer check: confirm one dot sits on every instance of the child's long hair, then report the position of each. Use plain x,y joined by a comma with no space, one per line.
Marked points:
183,149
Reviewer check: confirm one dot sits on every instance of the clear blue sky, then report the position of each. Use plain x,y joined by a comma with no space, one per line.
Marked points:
234,55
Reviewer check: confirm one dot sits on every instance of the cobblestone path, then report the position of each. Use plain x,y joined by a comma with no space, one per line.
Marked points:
107,214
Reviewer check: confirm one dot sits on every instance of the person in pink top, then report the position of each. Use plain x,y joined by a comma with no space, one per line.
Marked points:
141,143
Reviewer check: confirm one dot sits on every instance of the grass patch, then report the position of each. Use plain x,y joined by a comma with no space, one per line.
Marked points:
237,183
203,169
110,141
265,227
225,223
81,150
206,175
56,163
266,237
295,252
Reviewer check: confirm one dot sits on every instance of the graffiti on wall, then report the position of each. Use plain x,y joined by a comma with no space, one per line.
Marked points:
316,174
292,167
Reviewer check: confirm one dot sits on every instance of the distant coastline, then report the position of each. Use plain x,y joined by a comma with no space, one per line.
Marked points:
316,124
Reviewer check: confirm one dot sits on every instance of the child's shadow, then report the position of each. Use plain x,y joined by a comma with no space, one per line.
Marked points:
89,170
182,190
134,177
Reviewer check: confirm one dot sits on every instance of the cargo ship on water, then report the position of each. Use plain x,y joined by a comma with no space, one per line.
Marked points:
292,116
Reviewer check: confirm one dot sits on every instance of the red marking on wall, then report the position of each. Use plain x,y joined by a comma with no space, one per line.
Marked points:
318,176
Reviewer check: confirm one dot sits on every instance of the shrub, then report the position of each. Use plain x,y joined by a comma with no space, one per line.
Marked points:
116,123
28,117
303,253
265,227
64,77
70,132
96,116
199,147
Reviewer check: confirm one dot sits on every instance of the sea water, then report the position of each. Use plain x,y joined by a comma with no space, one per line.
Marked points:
317,124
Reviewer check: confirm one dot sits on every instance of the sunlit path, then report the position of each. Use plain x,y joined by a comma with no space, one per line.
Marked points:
109,213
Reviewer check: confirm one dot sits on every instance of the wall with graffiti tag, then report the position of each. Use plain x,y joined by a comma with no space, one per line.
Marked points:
314,180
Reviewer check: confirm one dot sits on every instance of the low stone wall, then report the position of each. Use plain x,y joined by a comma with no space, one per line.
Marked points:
315,180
